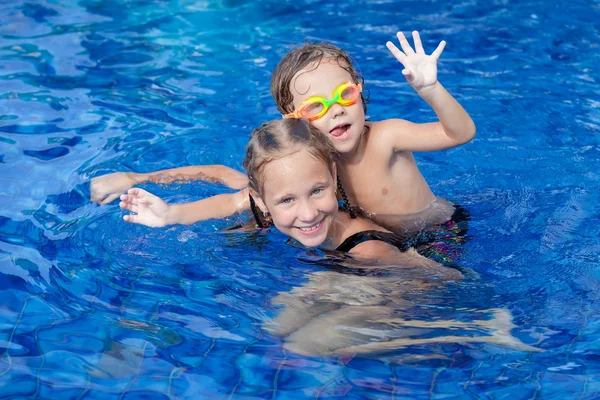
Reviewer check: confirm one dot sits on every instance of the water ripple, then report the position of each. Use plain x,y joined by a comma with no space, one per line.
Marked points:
99,306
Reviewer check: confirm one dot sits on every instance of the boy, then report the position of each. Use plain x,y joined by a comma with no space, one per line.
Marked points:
376,168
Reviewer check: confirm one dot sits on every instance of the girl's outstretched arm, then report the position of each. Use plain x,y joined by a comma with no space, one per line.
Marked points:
104,189
152,211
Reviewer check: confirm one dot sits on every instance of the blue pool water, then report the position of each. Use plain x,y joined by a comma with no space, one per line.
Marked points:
91,307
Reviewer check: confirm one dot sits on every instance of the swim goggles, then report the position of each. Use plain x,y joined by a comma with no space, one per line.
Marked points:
315,107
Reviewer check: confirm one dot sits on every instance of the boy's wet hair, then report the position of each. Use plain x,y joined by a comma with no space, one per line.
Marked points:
278,138
309,54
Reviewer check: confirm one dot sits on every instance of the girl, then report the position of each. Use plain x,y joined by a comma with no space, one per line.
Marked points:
291,185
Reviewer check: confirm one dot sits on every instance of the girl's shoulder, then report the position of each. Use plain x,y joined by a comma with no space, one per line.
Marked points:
374,250
357,227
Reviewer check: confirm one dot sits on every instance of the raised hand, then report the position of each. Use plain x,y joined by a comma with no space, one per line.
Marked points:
420,69
104,189
150,210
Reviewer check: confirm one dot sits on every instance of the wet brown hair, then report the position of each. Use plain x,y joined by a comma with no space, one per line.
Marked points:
279,138
310,54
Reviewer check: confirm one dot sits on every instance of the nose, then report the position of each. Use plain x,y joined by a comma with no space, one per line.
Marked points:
337,109
308,211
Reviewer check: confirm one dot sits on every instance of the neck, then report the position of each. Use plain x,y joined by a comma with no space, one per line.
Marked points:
337,232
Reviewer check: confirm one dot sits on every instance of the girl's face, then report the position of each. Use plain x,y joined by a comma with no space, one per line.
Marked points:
343,125
299,193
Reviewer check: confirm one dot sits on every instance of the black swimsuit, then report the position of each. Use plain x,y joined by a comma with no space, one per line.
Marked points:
364,236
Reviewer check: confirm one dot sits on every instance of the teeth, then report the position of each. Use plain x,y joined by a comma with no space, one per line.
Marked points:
310,228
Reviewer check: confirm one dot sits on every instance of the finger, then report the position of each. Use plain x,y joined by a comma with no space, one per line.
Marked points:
135,191
400,56
97,198
409,76
138,196
131,218
110,198
404,44
438,52
136,219
128,206
418,44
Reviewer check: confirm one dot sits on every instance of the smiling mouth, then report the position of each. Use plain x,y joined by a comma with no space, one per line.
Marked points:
310,229
340,131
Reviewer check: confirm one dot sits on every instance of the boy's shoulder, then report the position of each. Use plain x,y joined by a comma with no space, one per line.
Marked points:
388,125
384,134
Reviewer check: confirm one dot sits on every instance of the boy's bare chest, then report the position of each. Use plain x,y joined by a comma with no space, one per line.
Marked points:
365,187
376,180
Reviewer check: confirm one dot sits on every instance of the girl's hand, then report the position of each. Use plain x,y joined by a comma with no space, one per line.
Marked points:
420,69
150,210
104,189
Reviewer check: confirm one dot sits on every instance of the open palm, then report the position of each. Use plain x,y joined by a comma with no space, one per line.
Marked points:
148,209
420,69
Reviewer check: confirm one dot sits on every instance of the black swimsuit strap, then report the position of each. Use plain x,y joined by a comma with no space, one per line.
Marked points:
344,204
261,222
365,236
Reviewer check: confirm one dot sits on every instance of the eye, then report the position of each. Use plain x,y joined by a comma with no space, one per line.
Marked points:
350,93
312,108
286,200
318,191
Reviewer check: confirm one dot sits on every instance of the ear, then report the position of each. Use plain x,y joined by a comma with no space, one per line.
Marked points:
258,201
333,170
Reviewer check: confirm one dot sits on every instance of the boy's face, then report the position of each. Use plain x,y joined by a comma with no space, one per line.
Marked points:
299,193
343,125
